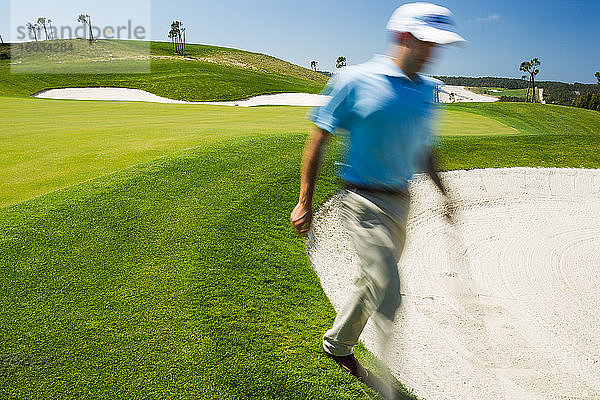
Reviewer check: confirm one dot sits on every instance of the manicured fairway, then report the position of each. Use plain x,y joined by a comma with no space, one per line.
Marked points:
180,277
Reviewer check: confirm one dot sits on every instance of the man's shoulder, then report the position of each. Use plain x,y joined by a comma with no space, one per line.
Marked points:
431,81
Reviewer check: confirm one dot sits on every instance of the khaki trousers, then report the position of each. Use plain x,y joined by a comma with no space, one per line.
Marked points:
376,223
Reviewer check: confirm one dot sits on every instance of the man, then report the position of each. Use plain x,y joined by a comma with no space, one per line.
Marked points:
384,108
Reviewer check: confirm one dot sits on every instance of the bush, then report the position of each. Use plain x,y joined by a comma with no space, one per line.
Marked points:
512,99
589,100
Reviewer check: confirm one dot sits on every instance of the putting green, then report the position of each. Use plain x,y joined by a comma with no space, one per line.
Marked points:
459,123
51,144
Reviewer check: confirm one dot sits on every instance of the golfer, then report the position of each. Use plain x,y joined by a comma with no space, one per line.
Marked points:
383,109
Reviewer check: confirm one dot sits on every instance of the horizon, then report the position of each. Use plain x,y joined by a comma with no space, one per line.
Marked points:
500,36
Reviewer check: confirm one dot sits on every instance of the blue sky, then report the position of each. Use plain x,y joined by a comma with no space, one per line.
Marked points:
564,35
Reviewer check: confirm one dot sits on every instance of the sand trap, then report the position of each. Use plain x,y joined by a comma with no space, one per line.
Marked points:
279,99
514,314
123,94
461,94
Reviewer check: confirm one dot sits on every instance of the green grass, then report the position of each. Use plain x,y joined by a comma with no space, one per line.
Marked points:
181,277
560,151
536,119
207,72
176,279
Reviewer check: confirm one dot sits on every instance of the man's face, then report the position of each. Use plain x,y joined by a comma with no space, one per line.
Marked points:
419,52
423,52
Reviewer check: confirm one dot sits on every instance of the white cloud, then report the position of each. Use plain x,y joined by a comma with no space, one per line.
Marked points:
490,18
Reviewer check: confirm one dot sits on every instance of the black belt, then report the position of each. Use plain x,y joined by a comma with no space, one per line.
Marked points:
375,189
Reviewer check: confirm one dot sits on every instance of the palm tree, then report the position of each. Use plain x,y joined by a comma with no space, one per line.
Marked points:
183,44
178,37
50,27
174,29
1,40
524,77
86,19
179,27
531,67
33,29
313,65
341,62
42,21
83,19
89,19
171,35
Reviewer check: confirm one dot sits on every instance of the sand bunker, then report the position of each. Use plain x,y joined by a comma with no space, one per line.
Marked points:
124,94
461,95
279,99
506,306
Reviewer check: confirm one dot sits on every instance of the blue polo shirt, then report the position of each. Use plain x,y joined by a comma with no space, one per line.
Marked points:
385,118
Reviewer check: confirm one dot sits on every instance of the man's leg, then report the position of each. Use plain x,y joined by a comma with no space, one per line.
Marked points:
378,237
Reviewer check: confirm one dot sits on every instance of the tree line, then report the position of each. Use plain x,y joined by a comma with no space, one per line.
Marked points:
45,24
590,99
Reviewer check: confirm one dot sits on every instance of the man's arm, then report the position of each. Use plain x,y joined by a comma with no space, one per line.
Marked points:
302,214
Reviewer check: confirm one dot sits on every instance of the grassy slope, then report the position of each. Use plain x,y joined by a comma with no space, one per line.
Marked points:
548,136
208,72
176,279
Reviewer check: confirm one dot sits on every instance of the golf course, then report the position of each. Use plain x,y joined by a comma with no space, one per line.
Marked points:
146,249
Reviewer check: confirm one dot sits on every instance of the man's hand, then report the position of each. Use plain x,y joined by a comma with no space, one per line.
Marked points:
449,210
301,218
449,207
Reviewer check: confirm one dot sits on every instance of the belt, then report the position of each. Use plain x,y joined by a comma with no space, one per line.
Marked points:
374,189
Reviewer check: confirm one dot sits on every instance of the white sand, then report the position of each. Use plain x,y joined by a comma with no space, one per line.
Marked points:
461,94
506,306
123,94
279,99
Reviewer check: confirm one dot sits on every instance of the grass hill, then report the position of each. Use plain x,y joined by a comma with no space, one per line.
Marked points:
207,73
